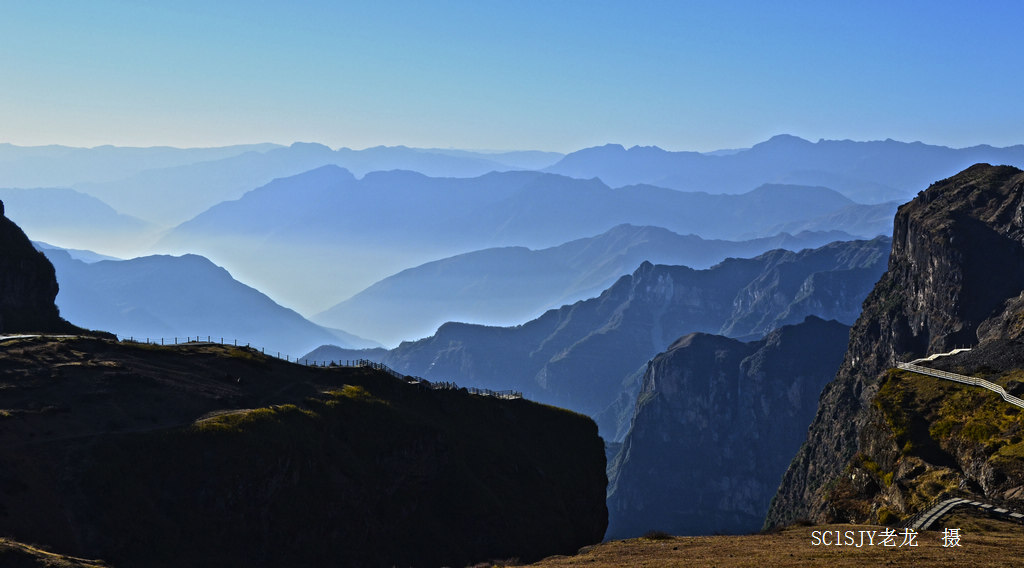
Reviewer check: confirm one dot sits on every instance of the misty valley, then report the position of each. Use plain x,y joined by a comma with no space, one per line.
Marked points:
268,355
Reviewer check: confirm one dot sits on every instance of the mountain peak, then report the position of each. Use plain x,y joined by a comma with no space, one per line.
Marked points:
784,142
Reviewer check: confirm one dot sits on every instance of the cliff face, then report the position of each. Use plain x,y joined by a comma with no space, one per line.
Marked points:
28,285
219,456
957,259
715,424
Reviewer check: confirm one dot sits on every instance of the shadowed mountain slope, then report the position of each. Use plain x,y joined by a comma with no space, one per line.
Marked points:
27,285
715,424
956,272
579,355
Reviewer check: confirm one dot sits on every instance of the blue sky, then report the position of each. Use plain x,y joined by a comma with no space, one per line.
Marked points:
505,75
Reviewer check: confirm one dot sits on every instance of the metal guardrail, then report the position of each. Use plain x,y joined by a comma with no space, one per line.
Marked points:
963,379
943,504
940,507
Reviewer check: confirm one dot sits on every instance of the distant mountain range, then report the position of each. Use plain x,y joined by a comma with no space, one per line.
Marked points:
582,356
164,296
867,172
509,285
315,239
64,166
171,195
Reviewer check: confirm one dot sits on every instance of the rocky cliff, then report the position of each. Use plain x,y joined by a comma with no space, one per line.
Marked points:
27,285
955,273
715,425
579,356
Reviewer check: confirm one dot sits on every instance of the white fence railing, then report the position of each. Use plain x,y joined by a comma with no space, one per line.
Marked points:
963,379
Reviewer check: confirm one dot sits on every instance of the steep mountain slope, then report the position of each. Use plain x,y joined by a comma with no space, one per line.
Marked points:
867,172
579,355
324,235
501,286
715,425
165,296
27,285
210,455
957,260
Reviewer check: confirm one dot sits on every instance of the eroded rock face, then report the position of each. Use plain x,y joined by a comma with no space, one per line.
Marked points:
28,285
957,258
715,424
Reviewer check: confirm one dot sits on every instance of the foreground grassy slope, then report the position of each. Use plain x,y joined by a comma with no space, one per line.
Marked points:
218,456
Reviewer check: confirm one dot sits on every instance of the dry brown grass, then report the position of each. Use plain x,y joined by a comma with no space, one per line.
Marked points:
1000,544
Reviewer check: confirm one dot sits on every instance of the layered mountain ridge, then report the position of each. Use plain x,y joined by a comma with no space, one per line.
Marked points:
504,286
582,356
215,455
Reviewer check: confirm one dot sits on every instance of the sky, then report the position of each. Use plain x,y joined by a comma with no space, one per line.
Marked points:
552,75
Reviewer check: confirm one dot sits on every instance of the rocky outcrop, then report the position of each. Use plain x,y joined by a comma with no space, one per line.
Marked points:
28,285
715,424
957,259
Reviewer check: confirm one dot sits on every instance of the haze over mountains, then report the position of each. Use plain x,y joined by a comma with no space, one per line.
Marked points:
387,222
582,356
157,297
867,172
169,196
363,230
685,302
69,216
510,285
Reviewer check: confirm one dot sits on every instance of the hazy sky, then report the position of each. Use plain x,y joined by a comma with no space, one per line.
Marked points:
553,75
